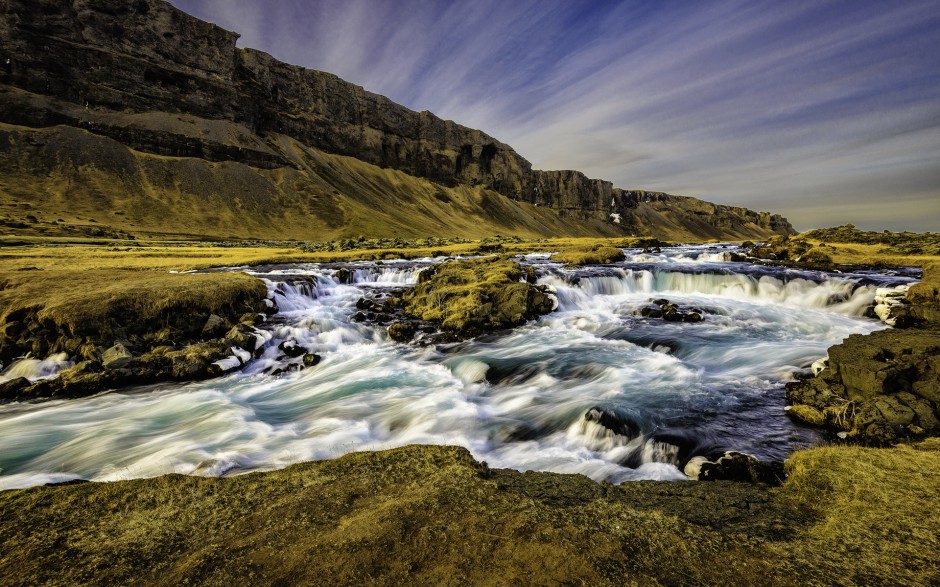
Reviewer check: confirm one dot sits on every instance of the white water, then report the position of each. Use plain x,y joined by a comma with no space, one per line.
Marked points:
515,399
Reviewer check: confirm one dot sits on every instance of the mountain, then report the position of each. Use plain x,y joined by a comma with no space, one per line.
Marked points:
120,115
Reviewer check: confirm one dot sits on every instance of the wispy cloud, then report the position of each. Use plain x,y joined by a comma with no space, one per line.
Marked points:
828,112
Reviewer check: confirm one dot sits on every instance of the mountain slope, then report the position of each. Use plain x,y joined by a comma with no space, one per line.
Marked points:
108,104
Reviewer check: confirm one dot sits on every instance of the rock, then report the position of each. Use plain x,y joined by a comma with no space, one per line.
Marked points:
11,389
473,296
343,275
116,357
292,349
820,364
613,421
269,308
401,331
877,389
670,312
735,466
891,305
243,337
367,304
651,312
222,366
311,360
215,326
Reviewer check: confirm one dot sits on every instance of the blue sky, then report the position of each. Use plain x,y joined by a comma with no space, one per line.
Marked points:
825,111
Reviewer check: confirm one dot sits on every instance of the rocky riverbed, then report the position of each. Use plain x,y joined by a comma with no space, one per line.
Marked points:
885,386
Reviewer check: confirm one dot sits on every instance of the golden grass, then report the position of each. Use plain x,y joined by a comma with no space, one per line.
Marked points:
589,255
85,301
878,517
864,254
431,515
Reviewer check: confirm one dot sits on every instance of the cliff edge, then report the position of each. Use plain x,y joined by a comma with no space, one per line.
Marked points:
143,106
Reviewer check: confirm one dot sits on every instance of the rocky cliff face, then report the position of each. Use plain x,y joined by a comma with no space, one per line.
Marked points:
162,82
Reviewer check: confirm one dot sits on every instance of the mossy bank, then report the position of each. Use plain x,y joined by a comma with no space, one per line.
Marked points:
431,515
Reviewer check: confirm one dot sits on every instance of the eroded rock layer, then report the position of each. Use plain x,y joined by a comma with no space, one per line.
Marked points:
160,82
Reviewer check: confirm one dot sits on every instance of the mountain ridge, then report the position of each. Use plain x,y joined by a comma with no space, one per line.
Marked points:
162,83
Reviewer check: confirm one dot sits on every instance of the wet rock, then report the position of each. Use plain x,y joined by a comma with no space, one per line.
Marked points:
734,466
116,357
615,422
269,308
311,360
292,349
343,275
401,331
670,312
11,390
651,312
241,336
367,304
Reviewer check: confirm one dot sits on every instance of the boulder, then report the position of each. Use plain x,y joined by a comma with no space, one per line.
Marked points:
215,326
311,360
735,466
10,390
116,357
292,349
401,331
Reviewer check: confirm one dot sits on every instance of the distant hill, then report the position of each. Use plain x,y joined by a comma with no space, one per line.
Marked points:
131,116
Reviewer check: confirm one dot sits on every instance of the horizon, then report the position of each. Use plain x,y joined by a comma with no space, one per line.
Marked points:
827,113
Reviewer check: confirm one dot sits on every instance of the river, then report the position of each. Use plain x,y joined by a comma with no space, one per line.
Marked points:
661,391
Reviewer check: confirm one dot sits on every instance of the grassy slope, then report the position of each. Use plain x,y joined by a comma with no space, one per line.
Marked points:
71,182
431,515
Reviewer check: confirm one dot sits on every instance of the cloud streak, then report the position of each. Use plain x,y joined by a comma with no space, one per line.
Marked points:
827,112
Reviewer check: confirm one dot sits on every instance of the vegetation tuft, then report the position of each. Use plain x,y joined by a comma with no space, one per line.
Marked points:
472,296
589,255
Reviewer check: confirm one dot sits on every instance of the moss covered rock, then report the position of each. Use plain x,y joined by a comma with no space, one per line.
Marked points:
472,296
591,255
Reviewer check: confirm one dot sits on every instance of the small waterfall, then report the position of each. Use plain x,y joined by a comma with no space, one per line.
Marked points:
35,369
843,296
387,276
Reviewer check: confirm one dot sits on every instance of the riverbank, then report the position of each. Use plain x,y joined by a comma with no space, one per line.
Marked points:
433,515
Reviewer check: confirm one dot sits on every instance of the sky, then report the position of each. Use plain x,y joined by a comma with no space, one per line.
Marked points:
827,112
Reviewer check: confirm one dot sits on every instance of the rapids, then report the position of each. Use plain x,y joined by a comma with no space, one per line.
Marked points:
663,391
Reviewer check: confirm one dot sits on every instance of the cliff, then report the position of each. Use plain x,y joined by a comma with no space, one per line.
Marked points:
149,86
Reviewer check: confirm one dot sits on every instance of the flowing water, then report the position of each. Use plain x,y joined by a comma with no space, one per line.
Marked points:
660,391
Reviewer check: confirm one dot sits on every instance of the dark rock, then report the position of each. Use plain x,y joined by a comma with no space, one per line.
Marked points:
616,422
242,337
215,326
344,275
10,390
735,466
367,304
651,312
401,331
311,360
292,349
